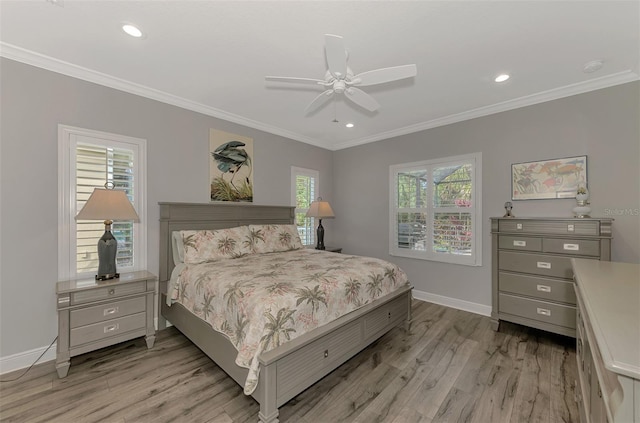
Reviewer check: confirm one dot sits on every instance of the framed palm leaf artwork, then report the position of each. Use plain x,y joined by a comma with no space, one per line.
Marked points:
230,166
556,178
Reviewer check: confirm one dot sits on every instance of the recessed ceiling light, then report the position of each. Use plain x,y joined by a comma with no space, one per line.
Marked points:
501,78
349,125
132,30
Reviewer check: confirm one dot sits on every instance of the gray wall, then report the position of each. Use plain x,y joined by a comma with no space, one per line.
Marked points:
602,124
33,103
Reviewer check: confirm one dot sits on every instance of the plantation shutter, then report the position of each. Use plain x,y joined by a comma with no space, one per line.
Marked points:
305,192
96,165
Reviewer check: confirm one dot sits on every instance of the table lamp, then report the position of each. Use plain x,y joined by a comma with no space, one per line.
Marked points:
321,210
108,205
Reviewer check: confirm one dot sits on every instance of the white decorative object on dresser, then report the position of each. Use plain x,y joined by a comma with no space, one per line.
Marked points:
532,279
95,314
608,341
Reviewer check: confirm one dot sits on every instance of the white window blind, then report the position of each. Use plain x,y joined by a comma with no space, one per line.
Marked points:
96,164
435,210
304,188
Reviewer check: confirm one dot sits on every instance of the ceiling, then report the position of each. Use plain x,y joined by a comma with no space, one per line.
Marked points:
212,56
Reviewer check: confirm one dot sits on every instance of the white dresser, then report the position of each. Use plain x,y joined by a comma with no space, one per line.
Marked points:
608,341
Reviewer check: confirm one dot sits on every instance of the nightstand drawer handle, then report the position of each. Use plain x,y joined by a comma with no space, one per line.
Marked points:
544,265
544,311
112,291
544,288
109,311
326,353
517,243
111,328
571,247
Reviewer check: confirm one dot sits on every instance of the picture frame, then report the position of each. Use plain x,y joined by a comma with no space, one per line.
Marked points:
230,167
548,179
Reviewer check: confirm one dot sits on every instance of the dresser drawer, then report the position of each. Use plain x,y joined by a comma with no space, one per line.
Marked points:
578,247
557,314
519,243
389,314
107,292
536,264
558,227
538,287
108,311
102,330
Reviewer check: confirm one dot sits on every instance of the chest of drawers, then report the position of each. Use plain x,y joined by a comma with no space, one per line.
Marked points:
532,277
95,314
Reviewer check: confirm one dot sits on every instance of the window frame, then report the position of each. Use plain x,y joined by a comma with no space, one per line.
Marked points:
300,171
67,228
475,259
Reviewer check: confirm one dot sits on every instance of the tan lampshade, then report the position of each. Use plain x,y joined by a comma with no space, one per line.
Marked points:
108,204
320,209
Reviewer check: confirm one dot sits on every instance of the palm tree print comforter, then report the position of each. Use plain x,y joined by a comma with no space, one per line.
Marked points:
261,301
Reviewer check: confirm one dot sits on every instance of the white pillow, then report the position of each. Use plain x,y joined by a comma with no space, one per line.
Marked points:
177,247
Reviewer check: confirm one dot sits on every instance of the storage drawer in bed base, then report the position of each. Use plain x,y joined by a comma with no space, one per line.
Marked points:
298,370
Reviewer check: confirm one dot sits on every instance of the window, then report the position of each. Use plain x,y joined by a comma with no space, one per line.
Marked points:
436,210
304,190
87,160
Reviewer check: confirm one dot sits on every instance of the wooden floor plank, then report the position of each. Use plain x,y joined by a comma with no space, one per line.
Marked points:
449,367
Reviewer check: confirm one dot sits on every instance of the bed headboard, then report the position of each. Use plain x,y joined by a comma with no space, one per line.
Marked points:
190,216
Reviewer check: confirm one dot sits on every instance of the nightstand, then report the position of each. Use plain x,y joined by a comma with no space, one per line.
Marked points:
334,249
95,314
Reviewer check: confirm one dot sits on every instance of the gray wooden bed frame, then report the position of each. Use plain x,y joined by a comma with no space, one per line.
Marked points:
291,368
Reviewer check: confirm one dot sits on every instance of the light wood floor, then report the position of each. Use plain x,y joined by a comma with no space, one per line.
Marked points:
451,367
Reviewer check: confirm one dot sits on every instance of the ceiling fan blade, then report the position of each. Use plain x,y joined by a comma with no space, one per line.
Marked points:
362,99
380,76
336,55
319,101
293,79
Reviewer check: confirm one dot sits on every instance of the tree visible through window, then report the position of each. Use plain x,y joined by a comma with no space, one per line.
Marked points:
436,210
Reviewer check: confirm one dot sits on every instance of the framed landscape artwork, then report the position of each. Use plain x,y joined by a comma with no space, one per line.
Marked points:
557,178
230,166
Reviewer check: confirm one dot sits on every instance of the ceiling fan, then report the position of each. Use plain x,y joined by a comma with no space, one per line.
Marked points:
339,79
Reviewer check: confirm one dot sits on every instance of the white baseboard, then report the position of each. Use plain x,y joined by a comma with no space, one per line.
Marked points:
25,359
476,308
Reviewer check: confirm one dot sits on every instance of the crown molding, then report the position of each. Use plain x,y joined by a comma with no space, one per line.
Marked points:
28,57
59,66
541,97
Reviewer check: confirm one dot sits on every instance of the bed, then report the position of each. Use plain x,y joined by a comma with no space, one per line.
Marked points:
290,368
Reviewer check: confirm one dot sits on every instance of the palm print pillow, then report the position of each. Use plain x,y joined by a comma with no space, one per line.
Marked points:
273,238
211,245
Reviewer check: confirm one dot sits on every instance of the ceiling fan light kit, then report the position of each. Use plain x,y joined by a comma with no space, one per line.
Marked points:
340,79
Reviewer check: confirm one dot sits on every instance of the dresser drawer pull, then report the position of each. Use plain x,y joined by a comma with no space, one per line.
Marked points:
544,311
544,265
326,353
111,328
544,288
571,247
110,311
517,243
112,291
